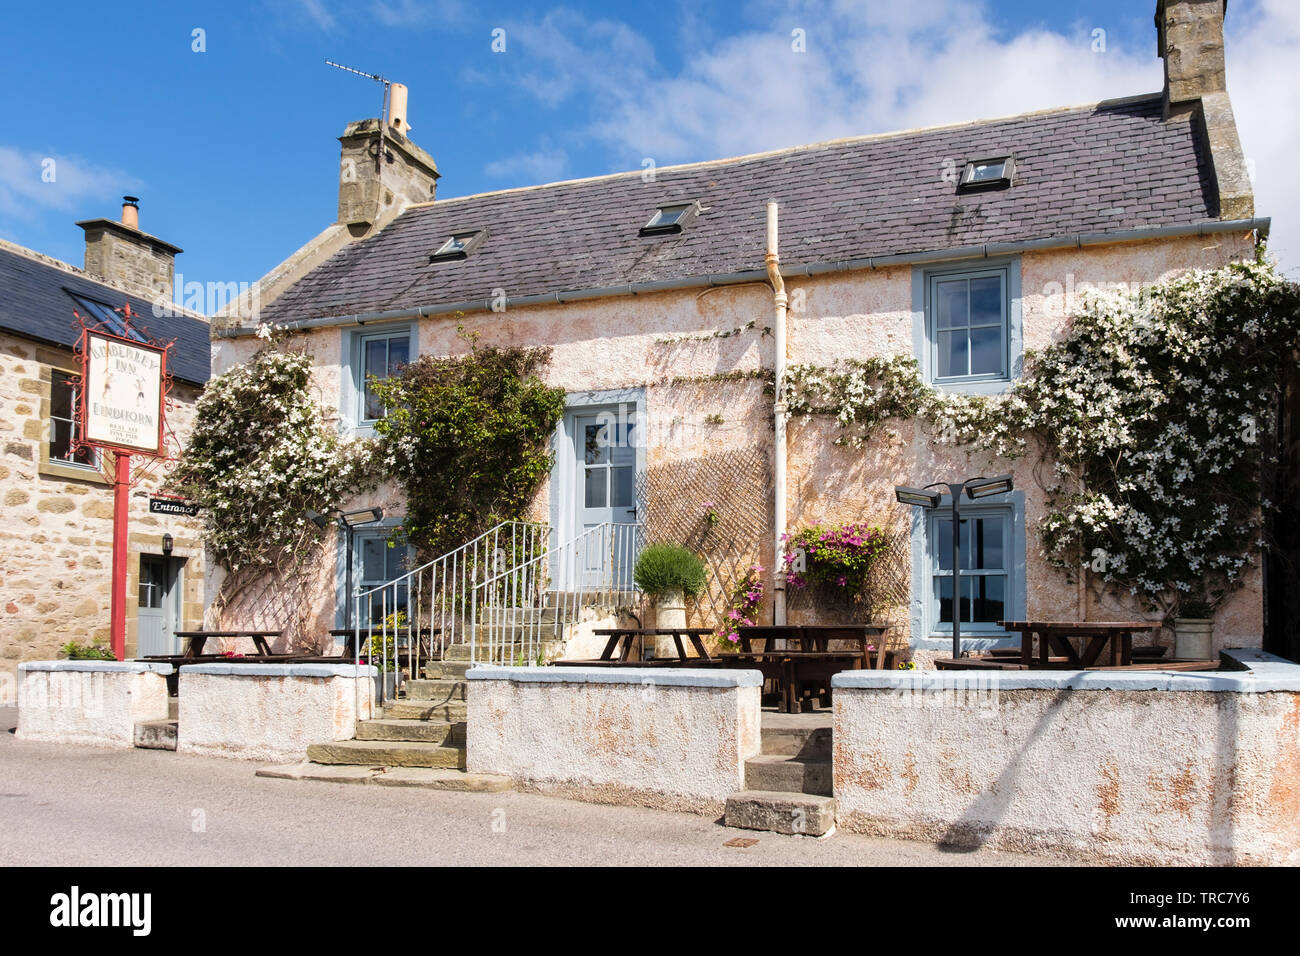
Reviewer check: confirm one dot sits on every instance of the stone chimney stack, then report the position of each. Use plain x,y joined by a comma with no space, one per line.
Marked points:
381,171
134,261
1189,38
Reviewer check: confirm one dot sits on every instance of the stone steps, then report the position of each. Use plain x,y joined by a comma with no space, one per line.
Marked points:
156,735
388,753
446,670
789,785
431,778
438,690
510,650
451,711
778,772
426,731
795,814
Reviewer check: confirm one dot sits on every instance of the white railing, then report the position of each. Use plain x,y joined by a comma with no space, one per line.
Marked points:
505,594
518,610
431,606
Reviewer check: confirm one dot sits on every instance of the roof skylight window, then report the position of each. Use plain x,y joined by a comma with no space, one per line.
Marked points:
105,315
459,246
992,173
669,220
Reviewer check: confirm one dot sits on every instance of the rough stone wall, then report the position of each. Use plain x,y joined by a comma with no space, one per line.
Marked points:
57,538
93,703
692,377
639,740
270,712
1135,777
137,264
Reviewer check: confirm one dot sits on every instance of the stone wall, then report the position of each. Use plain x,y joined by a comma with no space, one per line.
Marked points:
1184,769
270,711
93,703
57,538
671,738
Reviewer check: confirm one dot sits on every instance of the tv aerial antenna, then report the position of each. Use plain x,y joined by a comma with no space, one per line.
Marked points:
383,108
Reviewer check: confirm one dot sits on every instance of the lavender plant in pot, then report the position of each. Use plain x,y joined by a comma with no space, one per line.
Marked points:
668,574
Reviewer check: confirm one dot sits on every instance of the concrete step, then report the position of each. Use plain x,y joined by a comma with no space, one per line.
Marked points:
439,691
801,814
512,651
446,670
452,712
791,739
431,778
427,731
387,753
156,735
173,708
777,772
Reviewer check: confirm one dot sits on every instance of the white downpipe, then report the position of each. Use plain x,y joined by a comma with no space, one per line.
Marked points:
779,414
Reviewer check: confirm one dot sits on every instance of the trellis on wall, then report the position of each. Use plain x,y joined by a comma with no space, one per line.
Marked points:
719,506
884,597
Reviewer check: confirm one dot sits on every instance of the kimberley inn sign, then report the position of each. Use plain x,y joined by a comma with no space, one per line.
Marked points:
123,395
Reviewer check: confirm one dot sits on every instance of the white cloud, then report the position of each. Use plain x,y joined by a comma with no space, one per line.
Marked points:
419,13
544,165
1264,82
32,182
878,67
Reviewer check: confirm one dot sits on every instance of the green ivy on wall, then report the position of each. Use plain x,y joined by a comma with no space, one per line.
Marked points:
468,439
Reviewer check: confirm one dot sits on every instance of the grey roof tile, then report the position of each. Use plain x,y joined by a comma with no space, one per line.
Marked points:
849,199
36,302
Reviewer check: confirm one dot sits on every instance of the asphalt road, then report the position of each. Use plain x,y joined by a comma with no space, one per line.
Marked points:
77,806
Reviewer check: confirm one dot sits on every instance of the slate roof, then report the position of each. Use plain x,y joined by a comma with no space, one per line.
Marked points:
36,302
1110,167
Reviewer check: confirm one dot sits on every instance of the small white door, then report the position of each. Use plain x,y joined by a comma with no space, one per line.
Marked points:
606,480
159,612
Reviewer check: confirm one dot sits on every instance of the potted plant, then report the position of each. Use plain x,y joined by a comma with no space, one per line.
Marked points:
381,651
86,652
668,574
1194,629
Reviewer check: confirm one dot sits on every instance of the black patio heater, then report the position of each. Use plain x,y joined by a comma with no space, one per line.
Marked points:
925,498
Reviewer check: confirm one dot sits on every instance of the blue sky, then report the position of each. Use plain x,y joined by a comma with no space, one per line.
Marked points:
234,151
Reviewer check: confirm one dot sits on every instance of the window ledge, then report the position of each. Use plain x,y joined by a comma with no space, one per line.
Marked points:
54,469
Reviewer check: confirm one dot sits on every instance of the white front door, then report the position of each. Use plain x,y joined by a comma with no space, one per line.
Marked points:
606,491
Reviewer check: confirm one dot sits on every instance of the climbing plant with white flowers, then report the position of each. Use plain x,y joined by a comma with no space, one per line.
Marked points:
260,454
1155,412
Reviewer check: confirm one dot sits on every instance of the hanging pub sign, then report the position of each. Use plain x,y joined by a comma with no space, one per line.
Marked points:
123,394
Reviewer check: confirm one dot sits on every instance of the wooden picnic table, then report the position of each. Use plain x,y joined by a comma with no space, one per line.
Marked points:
621,640
810,662
1095,637
424,634
261,639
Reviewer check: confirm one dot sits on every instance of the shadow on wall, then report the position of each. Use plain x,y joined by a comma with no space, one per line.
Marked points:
985,815
274,601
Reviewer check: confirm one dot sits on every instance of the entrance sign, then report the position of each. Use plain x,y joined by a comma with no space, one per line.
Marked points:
171,506
123,395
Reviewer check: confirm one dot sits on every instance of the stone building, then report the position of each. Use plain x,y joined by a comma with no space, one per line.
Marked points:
652,293
56,540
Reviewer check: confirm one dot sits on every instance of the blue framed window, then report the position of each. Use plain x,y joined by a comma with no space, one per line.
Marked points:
992,571
967,321
373,354
374,562
967,325
986,569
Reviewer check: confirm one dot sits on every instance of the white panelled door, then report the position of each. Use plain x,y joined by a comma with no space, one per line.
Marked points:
606,490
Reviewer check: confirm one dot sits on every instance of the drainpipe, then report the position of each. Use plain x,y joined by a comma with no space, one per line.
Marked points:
773,262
